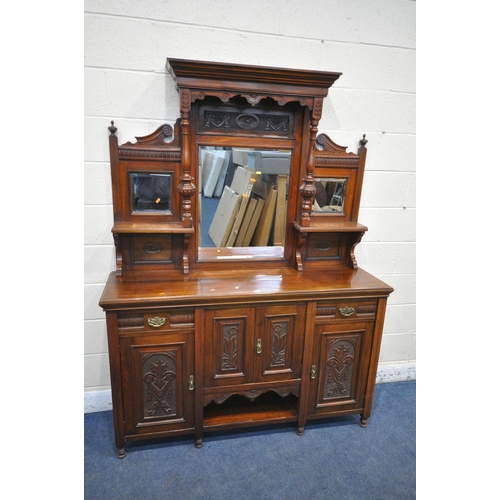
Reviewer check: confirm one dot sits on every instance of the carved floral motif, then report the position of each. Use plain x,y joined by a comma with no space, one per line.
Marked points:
340,368
230,348
278,354
159,397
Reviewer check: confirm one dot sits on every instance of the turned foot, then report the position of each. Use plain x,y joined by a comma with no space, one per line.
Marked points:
121,452
198,443
300,431
363,422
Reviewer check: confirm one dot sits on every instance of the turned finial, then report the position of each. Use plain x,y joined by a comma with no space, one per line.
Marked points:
363,141
112,129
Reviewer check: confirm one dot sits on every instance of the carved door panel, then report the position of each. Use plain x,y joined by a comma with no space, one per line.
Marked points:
228,346
279,343
339,370
158,382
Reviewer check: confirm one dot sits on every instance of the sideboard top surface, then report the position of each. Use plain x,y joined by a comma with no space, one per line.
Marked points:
205,288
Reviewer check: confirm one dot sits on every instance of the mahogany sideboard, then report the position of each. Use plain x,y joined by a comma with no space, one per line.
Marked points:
237,299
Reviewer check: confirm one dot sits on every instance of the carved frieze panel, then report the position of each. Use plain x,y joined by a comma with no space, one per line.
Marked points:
213,119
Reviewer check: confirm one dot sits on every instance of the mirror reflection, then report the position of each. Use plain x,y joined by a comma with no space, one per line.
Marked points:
330,194
243,196
150,192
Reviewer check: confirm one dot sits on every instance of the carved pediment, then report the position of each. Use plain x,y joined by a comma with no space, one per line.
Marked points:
326,145
162,144
164,136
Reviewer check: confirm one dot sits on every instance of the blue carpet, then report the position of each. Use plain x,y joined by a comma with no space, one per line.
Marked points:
334,459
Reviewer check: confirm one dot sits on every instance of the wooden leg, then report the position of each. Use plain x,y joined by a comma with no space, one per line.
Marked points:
363,422
121,452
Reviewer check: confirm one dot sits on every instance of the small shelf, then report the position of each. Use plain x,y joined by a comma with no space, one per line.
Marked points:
127,227
239,410
331,227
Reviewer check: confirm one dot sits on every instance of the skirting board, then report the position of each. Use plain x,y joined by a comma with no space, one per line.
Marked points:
95,401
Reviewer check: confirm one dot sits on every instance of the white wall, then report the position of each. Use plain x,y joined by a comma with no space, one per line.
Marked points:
372,42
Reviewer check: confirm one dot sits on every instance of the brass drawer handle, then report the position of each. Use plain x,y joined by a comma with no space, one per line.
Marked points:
347,311
259,346
191,383
313,372
156,322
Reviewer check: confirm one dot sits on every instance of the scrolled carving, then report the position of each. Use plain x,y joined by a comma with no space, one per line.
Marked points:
353,261
167,130
326,145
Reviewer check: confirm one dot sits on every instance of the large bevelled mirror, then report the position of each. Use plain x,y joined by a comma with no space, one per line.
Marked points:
243,196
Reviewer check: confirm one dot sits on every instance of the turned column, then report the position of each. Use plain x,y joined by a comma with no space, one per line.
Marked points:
308,190
186,188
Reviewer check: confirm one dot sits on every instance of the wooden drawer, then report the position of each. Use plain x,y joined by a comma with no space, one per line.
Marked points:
156,321
324,246
346,309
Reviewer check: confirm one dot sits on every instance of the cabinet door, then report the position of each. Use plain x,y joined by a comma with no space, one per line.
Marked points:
228,346
279,342
341,356
158,382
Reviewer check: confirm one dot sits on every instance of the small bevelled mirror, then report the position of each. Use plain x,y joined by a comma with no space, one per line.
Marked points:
151,192
330,196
